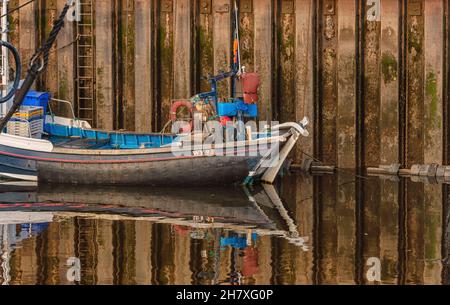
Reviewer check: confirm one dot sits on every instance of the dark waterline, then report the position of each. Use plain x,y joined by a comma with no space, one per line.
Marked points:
307,230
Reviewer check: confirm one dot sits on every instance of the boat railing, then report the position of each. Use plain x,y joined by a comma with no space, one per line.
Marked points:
69,104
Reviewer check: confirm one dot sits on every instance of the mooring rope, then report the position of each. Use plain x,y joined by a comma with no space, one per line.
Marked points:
344,171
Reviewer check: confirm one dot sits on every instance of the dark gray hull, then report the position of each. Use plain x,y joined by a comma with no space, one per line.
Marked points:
177,172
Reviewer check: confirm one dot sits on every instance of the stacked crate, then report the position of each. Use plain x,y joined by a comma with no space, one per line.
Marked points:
28,121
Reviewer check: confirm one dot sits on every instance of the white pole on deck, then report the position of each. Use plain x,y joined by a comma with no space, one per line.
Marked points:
4,71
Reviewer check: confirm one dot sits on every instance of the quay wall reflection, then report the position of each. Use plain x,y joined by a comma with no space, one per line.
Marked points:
347,222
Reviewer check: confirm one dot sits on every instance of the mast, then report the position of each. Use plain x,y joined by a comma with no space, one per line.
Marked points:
4,71
236,61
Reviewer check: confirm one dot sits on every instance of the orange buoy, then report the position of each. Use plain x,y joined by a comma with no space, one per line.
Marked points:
174,111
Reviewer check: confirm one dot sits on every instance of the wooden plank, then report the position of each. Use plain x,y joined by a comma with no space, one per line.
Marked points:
128,40
389,230
415,250
346,229
143,252
415,84
222,42
104,64
371,86
434,64
371,226
283,256
182,258
143,90
87,249
328,86
29,262
298,197
124,248
246,34
27,32
182,61
66,248
433,195
163,255
345,116
165,63
105,259
328,259
14,28
264,246
205,50
286,31
53,243
389,111
263,55
304,89
346,79
65,53
50,75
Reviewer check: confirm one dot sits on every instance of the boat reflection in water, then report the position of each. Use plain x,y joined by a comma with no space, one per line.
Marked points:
325,230
137,236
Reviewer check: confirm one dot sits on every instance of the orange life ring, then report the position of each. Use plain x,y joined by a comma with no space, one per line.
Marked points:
173,114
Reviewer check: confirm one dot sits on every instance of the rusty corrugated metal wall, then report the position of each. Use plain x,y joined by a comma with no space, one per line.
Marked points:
371,74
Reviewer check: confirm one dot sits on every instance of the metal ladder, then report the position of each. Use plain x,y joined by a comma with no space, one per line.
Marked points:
86,62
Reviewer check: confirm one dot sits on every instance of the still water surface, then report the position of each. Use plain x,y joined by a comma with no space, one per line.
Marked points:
306,230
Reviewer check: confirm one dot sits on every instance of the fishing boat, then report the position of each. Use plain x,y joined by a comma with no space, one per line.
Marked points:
71,154
45,147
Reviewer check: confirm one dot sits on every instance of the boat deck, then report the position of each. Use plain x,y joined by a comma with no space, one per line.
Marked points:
79,143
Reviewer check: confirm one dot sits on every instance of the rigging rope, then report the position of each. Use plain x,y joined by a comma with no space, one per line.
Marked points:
38,63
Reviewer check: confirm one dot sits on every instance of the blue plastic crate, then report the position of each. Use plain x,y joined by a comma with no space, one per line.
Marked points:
227,109
252,110
40,99
231,109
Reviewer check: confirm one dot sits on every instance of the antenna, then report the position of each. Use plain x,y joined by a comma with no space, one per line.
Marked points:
238,42
236,68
